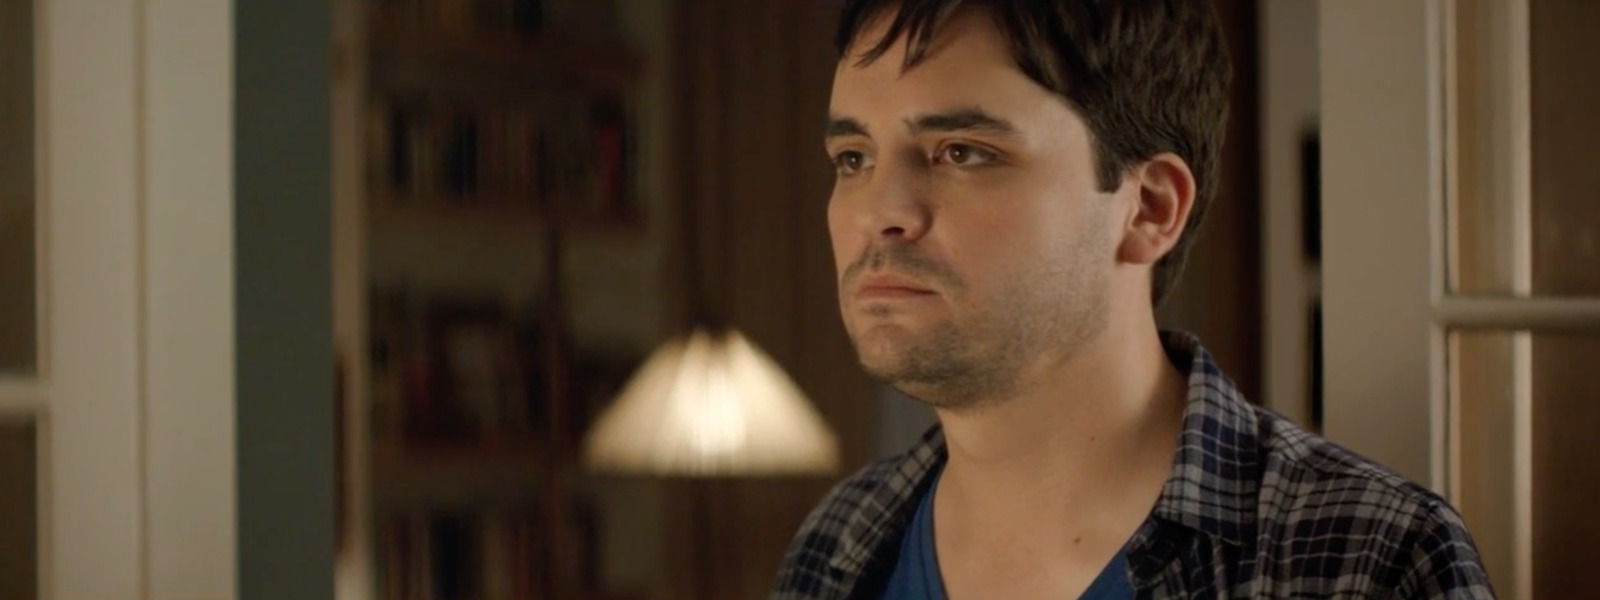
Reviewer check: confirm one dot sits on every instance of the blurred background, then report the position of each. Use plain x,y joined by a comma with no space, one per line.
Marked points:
330,298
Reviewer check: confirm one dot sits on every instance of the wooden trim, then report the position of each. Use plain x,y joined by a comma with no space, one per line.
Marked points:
89,120
1542,313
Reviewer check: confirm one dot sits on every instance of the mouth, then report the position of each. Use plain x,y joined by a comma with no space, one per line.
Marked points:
889,287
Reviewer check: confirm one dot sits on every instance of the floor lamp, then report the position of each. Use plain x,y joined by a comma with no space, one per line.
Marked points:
710,404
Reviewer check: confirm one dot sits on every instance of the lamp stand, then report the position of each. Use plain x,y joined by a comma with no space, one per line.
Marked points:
700,521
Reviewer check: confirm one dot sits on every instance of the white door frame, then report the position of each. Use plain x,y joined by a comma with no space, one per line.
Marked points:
135,195
1387,163
1382,166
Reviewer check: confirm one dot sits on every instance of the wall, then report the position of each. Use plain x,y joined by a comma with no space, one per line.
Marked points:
1289,107
1218,297
752,82
282,191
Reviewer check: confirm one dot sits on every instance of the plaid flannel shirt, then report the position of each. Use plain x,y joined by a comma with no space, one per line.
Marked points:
1254,507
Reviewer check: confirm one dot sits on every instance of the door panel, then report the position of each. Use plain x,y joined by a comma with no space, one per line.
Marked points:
19,559
18,330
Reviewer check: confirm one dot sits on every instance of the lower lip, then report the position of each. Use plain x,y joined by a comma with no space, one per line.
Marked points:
891,293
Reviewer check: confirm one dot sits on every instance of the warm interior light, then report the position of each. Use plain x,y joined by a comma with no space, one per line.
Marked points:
711,405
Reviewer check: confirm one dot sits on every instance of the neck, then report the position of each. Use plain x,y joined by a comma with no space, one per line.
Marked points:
1096,430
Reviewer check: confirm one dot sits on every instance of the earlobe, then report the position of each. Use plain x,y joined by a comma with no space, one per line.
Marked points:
1166,191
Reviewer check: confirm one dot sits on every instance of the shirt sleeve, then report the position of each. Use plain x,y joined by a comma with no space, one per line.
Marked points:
1444,563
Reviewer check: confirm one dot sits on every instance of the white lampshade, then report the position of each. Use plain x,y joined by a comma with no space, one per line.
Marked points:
711,405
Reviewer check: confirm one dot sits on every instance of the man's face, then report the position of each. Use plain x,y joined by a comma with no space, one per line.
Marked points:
973,247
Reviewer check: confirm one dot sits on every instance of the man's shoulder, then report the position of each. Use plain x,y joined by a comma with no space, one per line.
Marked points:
871,488
1322,504
843,532
1309,471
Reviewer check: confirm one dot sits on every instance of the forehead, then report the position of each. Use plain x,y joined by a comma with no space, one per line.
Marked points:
968,64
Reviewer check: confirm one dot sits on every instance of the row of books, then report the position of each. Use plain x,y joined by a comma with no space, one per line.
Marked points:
526,17
498,553
456,369
574,156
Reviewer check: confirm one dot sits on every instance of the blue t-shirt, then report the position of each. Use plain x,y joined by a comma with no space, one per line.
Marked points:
916,574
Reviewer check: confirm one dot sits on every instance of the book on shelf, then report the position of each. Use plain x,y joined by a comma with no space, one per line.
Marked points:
455,370
494,552
569,156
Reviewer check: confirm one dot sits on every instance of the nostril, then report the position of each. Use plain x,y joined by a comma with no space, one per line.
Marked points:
894,231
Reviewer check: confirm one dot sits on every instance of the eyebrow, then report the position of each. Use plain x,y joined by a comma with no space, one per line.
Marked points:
966,119
842,127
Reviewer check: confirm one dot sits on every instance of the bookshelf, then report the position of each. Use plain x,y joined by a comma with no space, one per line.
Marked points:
407,52
480,138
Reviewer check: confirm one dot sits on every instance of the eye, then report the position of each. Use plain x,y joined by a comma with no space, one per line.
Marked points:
850,162
964,155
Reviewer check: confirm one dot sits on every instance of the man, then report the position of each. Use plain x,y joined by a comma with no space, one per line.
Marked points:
1017,184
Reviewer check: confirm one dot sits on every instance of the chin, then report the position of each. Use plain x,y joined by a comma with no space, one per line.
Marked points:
877,355
882,340
888,362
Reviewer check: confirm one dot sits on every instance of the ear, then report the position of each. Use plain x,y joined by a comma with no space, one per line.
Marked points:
1166,190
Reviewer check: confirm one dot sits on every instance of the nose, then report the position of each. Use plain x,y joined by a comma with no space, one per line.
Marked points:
893,206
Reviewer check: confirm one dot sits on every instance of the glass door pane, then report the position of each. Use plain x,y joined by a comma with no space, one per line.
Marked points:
1566,215
1481,105
17,297
1553,374
19,560
1566,463
1523,215
1483,409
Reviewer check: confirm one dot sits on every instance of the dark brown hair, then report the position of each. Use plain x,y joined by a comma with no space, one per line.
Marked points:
1147,76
